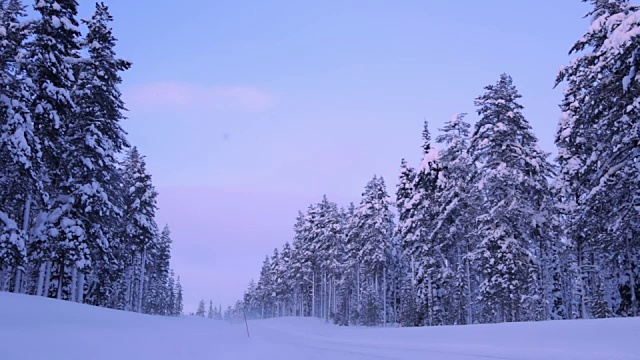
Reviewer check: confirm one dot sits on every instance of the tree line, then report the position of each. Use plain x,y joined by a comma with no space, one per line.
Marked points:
488,229
214,312
77,205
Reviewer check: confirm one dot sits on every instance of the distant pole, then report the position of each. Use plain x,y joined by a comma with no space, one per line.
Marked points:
245,321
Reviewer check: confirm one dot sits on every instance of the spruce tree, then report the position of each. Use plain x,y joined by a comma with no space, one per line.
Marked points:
598,146
179,309
210,313
420,213
265,289
201,311
93,139
456,214
157,274
20,161
404,190
372,229
513,180
140,228
171,296
53,49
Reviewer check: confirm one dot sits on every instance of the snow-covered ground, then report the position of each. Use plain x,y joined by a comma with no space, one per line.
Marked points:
43,329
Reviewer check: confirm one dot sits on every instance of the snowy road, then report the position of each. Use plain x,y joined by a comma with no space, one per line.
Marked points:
62,330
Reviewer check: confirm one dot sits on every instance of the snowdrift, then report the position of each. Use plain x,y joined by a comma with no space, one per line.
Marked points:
38,328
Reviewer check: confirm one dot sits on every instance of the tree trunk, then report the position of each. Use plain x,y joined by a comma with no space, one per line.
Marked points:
327,298
544,285
322,290
47,279
17,287
142,270
128,285
60,280
80,288
357,284
74,282
25,227
384,297
5,278
430,300
583,289
41,275
313,295
468,299
632,284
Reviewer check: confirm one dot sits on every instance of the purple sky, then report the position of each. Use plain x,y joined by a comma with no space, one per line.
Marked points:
248,111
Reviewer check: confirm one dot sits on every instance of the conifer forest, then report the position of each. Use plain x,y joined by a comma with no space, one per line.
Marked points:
77,205
488,227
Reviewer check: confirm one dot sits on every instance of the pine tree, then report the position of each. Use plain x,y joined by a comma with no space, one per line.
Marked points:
265,289
408,312
201,310
179,309
456,214
327,236
371,232
20,180
158,271
349,292
55,46
513,180
286,285
251,301
210,313
93,139
420,214
599,141
171,296
140,228
404,190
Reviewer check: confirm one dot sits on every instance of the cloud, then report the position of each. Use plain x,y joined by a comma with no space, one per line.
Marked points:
183,96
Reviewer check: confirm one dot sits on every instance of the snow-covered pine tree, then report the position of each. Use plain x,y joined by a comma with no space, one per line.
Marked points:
306,240
455,221
201,310
397,274
140,228
407,313
157,274
179,309
94,138
329,239
420,213
210,313
599,144
87,209
20,177
171,296
53,51
514,184
296,273
218,314
251,302
404,191
347,290
276,278
286,286
372,230
264,289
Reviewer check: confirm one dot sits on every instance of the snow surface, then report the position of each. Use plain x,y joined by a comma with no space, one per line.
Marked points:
38,328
